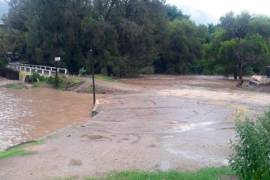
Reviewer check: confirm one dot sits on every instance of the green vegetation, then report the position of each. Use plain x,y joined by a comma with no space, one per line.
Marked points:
204,174
239,45
12,152
251,159
129,37
3,62
15,86
105,78
64,82
3,47
18,150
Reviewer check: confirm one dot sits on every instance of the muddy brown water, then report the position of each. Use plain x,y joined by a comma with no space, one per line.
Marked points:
32,113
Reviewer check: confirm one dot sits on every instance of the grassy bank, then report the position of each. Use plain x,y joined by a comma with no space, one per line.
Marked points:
204,174
19,150
105,78
15,86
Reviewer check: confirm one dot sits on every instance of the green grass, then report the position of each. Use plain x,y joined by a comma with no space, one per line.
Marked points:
64,83
105,78
15,86
18,150
40,84
204,174
12,152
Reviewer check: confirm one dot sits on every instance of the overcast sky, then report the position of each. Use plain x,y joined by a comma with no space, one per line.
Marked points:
208,11
3,8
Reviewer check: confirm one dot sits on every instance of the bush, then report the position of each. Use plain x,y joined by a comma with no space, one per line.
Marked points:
250,71
251,158
219,70
35,77
65,83
147,70
3,62
82,71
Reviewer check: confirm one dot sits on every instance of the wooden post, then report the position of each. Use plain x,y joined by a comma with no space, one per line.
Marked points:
94,83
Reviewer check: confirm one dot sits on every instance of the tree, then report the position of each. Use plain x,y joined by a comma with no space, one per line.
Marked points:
226,57
250,51
129,37
246,41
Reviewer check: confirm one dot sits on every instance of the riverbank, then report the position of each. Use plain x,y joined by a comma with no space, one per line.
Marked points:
163,123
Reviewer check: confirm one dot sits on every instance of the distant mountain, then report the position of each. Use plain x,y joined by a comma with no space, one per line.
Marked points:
3,9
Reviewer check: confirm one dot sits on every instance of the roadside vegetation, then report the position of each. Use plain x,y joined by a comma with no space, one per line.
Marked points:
15,86
204,174
105,78
19,150
64,82
251,158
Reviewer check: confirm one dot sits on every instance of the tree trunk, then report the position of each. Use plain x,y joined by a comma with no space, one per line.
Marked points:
240,75
240,71
235,75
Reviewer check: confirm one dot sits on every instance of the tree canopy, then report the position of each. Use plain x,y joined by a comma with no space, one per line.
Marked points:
129,37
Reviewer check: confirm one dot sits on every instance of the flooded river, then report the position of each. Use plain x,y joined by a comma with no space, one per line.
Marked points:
32,113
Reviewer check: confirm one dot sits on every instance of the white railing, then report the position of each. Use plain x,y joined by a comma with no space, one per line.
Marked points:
42,70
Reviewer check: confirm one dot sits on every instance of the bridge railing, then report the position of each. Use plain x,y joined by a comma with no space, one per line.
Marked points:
42,70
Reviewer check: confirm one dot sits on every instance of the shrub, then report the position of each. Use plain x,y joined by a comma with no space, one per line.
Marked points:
3,62
250,71
82,71
65,83
219,70
35,77
251,158
147,70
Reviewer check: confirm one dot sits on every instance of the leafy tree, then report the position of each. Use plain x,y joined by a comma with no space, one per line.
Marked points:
226,57
129,37
250,51
184,47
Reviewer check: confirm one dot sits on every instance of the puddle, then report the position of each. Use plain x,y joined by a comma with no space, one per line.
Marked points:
204,158
180,128
32,113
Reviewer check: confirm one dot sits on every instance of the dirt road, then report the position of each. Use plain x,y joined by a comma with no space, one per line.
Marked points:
169,122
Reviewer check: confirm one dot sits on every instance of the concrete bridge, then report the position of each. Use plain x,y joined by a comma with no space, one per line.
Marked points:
28,69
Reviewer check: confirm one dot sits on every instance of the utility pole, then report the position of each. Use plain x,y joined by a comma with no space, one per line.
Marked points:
56,59
93,76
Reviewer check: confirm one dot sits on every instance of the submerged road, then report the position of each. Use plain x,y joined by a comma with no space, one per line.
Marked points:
168,123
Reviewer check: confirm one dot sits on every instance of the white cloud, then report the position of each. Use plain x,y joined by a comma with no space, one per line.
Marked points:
217,8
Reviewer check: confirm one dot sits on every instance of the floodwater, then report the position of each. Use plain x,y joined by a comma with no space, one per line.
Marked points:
28,114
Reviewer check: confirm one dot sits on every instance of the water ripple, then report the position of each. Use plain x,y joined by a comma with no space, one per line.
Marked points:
12,111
